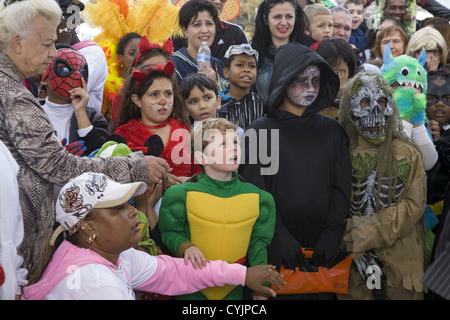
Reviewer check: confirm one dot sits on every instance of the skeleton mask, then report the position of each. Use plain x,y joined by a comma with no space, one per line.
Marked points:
371,107
66,70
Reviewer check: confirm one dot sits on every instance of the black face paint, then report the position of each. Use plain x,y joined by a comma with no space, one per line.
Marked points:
437,93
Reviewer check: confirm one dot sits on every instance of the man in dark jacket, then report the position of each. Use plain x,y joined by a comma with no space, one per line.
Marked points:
399,9
312,185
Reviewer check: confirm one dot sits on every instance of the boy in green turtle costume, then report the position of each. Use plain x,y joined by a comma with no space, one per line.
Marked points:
215,214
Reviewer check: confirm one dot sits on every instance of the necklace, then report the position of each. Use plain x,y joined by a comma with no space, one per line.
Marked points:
162,125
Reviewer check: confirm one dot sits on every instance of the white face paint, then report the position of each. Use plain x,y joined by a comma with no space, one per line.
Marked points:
304,89
157,107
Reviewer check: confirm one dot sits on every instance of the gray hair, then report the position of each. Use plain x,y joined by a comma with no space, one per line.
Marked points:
17,17
340,9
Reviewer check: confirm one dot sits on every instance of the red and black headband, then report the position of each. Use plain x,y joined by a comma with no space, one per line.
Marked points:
140,75
145,46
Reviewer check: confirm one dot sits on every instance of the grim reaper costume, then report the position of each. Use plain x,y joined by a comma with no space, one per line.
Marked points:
386,230
312,185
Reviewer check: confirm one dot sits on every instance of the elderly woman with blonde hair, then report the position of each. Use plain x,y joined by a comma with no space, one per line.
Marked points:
27,46
433,42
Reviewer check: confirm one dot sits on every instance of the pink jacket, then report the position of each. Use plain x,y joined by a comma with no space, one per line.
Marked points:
169,276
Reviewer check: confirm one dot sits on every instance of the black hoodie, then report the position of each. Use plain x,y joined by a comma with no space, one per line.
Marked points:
313,184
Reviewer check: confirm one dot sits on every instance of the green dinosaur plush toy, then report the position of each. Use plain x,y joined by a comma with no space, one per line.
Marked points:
407,76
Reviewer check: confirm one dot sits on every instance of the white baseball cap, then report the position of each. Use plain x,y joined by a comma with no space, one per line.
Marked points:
86,192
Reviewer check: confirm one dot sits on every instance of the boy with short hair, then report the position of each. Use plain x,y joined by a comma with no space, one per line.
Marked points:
357,37
215,214
201,97
320,23
240,104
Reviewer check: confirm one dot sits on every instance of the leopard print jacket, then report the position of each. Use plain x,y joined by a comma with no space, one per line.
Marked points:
44,162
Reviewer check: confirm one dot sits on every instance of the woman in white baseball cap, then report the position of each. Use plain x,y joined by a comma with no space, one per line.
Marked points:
96,258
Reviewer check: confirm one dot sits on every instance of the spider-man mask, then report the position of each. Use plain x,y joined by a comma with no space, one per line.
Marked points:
66,70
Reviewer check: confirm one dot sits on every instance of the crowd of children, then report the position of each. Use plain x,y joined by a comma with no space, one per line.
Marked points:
345,148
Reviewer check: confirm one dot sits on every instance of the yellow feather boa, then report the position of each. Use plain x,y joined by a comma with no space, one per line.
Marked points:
155,19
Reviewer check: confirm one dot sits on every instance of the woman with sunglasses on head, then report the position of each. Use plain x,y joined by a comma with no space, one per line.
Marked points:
81,127
433,42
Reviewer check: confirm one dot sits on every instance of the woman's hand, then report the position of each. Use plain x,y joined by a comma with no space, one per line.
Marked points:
258,275
173,180
157,168
155,194
153,198
432,61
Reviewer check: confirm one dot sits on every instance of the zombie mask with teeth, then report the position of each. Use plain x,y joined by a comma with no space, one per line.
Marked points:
407,76
371,107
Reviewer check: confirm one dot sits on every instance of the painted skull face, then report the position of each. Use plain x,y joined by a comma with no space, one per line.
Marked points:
66,70
371,107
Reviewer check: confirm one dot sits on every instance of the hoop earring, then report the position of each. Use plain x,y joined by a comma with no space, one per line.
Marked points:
91,238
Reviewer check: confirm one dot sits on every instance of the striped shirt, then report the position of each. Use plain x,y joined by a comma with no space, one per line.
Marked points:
241,112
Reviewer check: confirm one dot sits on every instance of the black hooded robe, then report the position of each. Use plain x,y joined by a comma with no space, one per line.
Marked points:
313,184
